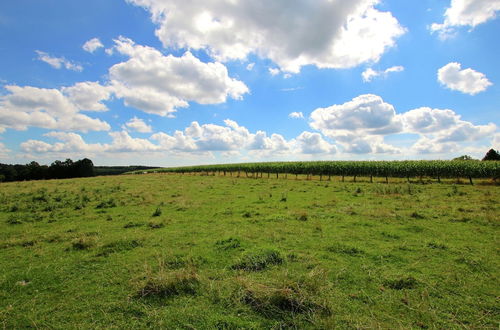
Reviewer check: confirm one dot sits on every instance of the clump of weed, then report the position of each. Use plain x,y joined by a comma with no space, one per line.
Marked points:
357,191
14,221
473,263
83,243
408,282
416,215
157,212
133,224
345,249
284,197
118,246
301,216
390,235
435,245
281,299
165,284
156,225
259,260
106,204
14,208
228,244
247,214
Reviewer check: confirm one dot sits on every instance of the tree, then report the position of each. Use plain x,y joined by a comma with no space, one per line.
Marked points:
492,155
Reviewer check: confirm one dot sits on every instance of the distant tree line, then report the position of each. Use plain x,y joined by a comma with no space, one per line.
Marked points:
56,170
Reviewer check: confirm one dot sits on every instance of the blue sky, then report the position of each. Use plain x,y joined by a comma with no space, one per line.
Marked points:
167,82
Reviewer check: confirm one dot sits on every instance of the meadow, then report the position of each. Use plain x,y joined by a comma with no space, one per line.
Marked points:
220,252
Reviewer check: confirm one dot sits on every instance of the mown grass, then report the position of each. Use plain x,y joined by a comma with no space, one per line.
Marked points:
182,251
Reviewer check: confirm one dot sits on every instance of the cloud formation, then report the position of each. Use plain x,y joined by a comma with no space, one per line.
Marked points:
58,62
369,74
466,13
466,81
138,125
296,115
327,34
48,108
141,81
92,45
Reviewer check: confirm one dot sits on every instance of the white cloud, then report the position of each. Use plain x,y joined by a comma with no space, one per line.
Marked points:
88,95
196,139
142,80
138,125
360,126
444,125
92,45
313,143
3,150
466,81
58,62
325,33
44,108
466,13
369,74
274,71
364,115
296,115
250,66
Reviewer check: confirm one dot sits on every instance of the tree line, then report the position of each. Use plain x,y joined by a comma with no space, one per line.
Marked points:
57,170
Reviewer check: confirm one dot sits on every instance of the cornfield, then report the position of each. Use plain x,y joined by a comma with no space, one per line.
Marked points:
397,169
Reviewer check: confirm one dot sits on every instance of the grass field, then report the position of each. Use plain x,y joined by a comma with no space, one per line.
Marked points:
185,251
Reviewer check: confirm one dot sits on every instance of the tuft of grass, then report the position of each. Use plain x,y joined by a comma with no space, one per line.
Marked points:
118,246
280,301
156,224
157,212
228,244
408,282
416,215
259,259
133,224
166,284
110,203
435,245
345,249
83,243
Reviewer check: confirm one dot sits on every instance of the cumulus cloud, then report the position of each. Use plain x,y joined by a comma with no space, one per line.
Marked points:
466,13
296,115
274,71
369,74
138,125
328,34
88,95
360,125
44,108
3,150
228,139
92,45
313,143
142,80
466,81
58,62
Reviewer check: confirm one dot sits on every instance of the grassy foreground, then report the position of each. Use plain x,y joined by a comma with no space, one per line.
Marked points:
202,252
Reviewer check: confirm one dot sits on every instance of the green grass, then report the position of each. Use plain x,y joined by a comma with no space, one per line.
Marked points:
210,252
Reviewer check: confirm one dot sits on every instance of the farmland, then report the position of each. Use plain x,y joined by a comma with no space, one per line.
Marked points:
213,251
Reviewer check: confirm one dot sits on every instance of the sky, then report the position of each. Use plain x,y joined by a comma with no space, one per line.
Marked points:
183,82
